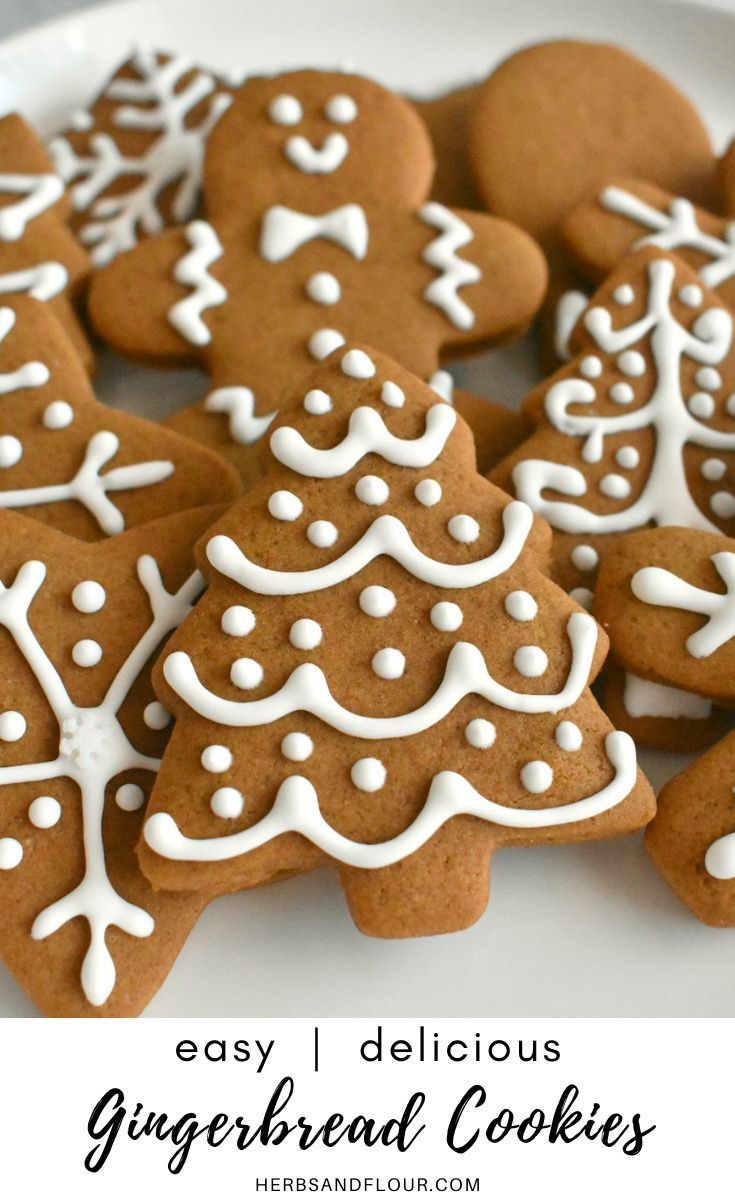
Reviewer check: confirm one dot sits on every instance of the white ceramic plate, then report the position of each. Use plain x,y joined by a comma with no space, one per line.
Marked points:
587,930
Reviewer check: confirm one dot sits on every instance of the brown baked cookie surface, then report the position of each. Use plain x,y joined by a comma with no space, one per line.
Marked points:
658,715
379,676
447,119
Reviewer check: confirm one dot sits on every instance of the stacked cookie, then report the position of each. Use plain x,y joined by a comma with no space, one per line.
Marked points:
379,657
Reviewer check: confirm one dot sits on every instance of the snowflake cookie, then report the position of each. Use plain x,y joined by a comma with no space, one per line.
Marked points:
81,734
639,429
379,676
667,598
39,257
70,462
318,232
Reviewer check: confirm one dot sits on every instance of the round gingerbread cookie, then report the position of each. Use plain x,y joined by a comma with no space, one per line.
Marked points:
557,120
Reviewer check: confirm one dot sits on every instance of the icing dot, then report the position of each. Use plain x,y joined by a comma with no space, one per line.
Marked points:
88,596
285,110
591,367
530,661
701,405
537,776
317,402
730,405
340,109
86,653
389,663
723,505
392,395
585,558
323,288
708,378
246,673
323,342
357,365
376,601
130,797
11,451
463,528
446,616
632,363
227,803
621,393
58,414
322,534
81,120
12,726
584,596
615,486
627,457
713,469
216,759
428,492
691,295
297,747
44,812
155,716
624,294
285,506
368,774
238,621
305,634
521,606
372,490
568,736
11,852
480,733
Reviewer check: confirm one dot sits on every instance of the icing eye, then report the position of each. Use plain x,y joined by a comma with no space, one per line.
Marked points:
340,109
285,110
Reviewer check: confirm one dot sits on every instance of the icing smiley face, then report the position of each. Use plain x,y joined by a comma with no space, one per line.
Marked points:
340,109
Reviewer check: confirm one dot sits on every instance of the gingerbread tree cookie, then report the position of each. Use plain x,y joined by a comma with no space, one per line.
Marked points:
81,733
667,597
318,233
39,257
640,428
86,469
133,162
379,676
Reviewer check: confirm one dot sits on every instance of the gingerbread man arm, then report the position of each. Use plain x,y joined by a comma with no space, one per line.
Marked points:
665,598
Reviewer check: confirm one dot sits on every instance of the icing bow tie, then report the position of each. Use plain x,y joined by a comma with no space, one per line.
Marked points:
285,230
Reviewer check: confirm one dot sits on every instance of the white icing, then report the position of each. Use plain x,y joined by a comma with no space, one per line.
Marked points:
521,606
317,160
567,735
86,653
42,281
191,271
44,812
341,109
655,585
297,747
323,342
246,673
37,192
392,395
368,774
691,295
455,272
389,663
323,288
357,365
730,405
372,490
238,404
627,457
713,469
701,405
569,308
238,621
585,558
305,634
11,451
584,596
227,803
632,362
624,294
428,492
322,534
591,367
708,378
615,486
130,797
723,505
285,110
642,698
286,230
296,809
480,734
216,759
11,853
446,616
155,716
157,103
88,596
317,402
58,415
463,528
30,374
622,393
12,726
367,433
442,383
285,506
376,601
530,661
537,777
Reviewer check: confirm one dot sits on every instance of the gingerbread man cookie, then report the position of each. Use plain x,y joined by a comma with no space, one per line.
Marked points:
379,676
81,734
318,232
133,162
70,462
640,428
39,257
667,597
447,119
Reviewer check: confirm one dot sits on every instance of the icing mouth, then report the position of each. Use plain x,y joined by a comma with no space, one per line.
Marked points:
317,160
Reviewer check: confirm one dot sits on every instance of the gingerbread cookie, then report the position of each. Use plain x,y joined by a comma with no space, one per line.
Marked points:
81,734
555,122
70,462
447,119
629,213
657,714
379,675
318,232
666,597
39,257
726,179
133,162
640,428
